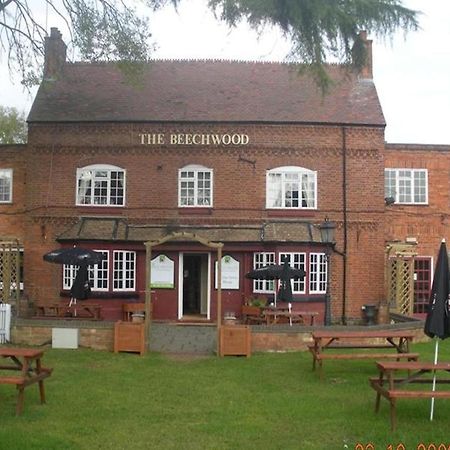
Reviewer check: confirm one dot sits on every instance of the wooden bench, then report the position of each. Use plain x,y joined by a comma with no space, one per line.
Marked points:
369,355
392,388
326,341
22,361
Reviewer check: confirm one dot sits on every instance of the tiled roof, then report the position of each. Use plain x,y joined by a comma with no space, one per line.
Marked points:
115,229
205,91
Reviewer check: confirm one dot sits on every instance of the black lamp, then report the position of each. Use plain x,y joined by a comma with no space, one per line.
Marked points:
327,228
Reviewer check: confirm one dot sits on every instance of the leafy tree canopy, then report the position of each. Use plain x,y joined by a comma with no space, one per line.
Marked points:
320,29
13,128
118,30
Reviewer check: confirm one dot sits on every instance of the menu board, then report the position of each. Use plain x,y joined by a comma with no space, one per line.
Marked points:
230,273
162,272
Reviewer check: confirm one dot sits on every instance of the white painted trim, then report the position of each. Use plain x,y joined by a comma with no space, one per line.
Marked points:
180,285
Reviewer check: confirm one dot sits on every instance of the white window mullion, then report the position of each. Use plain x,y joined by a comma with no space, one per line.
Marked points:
94,186
6,185
297,261
291,187
410,185
318,273
260,260
195,186
124,270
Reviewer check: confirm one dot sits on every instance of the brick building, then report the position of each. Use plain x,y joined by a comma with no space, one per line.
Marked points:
417,180
251,155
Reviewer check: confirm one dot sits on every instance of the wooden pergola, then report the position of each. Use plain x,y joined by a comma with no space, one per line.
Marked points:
148,293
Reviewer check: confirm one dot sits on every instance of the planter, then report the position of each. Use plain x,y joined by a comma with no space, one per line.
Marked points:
235,340
129,337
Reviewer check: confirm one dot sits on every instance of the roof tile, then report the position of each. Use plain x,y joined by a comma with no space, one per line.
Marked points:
205,91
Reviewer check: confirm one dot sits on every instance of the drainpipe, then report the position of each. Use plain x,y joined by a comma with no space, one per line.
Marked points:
344,209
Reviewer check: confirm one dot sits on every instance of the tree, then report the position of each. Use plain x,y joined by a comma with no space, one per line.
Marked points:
111,30
319,29
13,128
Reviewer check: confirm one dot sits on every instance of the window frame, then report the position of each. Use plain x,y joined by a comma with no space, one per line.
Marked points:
124,279
295,284
284,173
265,286
69,273
315,265
196,169
96,274
109,188
95,271
318,276
393,174
7,174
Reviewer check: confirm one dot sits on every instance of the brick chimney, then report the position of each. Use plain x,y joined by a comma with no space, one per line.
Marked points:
366,71
55,54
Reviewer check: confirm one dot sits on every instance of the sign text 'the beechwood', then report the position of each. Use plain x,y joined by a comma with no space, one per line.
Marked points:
193,139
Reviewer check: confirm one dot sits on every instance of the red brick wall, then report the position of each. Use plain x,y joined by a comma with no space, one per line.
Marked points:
55,152
429,224
12,214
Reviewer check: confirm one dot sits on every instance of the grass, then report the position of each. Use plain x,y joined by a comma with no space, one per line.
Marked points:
99,400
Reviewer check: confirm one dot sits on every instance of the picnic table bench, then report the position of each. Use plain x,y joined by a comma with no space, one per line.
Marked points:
325,342
22,360
392,388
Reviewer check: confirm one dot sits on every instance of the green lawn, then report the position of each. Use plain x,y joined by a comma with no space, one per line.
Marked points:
99,400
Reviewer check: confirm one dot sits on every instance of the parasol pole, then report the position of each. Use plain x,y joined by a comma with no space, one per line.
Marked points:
436,351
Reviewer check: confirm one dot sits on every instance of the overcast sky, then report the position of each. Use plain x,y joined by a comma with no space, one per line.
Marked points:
412,74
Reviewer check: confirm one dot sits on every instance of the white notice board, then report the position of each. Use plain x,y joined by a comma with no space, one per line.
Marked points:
162,272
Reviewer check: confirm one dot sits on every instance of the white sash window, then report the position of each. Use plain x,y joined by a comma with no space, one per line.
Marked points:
291,187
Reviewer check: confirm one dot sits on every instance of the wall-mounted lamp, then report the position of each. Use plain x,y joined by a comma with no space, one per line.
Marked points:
327,228
389,201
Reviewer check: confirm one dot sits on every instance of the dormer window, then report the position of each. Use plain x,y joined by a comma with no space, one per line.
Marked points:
101,185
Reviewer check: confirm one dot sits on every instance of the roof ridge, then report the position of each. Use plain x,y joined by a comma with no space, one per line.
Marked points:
206,60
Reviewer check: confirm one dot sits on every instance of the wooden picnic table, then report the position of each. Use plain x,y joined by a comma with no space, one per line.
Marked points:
27,362
273,316
80,310
326,342
392,387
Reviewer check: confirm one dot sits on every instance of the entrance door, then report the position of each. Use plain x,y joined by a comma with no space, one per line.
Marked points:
195,284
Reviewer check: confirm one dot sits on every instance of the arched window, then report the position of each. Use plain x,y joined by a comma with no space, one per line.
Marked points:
291,187
101,185
195,186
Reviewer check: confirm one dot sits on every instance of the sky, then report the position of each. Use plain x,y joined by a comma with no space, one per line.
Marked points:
411,73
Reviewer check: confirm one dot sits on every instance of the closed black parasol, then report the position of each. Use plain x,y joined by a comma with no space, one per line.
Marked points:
81,288
437,323
76,256
283,272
